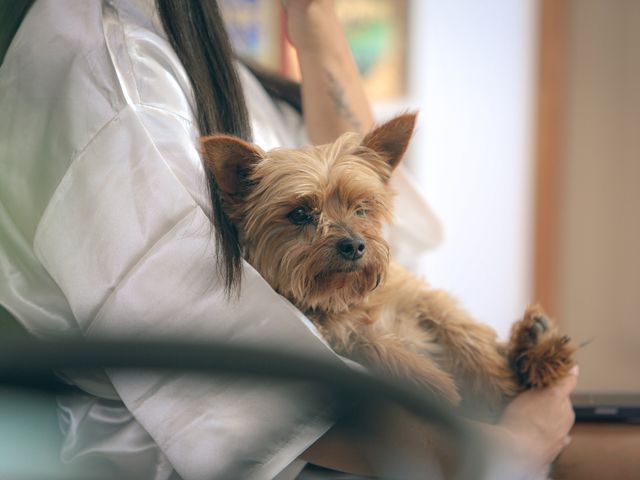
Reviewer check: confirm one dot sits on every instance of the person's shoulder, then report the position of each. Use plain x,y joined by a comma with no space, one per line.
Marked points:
64,26
60,52
109,51
152,74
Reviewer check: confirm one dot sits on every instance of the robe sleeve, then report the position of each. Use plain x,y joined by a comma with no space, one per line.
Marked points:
126,241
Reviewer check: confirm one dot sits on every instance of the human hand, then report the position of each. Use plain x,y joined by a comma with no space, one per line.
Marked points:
537,422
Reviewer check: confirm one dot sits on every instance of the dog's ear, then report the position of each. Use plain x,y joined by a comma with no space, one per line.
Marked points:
231,161
391,139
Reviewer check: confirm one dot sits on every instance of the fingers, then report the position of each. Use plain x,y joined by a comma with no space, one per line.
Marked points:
568,417
565,415
575,371
555,452
567,384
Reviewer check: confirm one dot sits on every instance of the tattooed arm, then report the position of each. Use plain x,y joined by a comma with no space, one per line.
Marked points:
333,98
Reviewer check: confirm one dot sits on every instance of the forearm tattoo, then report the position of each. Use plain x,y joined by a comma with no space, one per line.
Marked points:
337,94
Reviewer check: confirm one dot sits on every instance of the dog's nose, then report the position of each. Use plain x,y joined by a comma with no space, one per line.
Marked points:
351,248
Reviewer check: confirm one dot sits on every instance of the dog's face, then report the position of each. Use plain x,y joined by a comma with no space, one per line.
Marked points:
311,220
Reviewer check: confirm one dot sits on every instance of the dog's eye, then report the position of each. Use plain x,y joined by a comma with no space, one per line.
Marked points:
300,216
361,212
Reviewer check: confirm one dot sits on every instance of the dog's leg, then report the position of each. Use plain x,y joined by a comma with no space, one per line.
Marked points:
538,353
391,354
472,352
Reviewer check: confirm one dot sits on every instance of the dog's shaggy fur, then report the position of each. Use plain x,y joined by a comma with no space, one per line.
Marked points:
311,222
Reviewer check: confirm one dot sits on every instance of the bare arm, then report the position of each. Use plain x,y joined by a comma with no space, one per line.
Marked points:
382,433
532,432
333,98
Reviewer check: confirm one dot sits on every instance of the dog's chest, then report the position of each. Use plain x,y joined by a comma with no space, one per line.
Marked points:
385,311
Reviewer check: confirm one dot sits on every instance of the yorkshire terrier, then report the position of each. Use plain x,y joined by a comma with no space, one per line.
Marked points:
311,220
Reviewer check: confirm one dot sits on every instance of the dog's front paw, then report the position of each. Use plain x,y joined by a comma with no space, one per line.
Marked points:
538,354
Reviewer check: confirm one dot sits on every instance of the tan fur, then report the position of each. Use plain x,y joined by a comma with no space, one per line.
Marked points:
370,309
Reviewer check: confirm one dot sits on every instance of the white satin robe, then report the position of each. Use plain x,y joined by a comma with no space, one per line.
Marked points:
105,231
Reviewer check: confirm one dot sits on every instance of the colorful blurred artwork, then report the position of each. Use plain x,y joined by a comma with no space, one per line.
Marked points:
375,30
254,28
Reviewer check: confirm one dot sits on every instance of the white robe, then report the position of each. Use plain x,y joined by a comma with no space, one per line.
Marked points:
105,231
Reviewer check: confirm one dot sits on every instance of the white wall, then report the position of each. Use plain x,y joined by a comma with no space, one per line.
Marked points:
472,77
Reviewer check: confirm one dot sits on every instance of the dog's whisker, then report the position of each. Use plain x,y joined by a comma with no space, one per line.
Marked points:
584,343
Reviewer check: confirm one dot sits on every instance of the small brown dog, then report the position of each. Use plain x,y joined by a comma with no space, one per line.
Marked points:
311,220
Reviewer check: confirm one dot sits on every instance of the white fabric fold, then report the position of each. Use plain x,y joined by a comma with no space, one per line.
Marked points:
105,232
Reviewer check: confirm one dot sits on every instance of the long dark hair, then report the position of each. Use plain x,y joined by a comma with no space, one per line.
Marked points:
197,34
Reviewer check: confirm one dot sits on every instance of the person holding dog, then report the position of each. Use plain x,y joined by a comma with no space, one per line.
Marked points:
106,214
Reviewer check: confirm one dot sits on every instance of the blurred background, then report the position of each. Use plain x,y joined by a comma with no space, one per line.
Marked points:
527,148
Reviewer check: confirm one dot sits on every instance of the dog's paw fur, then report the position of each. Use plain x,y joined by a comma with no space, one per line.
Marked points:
538,354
